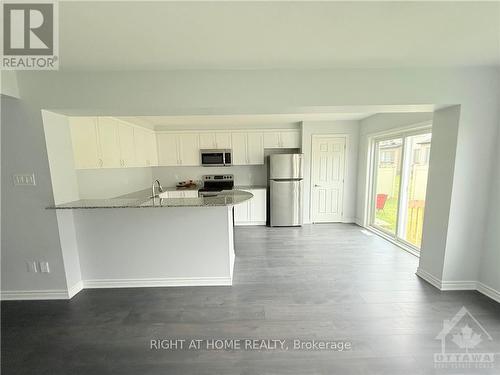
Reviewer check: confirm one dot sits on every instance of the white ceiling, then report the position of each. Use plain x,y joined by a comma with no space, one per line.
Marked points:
240,120
264,35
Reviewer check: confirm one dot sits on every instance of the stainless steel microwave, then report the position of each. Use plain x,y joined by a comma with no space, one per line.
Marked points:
216,158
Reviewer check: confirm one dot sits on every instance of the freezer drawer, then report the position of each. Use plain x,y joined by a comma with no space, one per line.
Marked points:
286,203
285,166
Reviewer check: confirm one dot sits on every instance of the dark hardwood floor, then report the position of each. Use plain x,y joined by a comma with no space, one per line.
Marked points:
323,282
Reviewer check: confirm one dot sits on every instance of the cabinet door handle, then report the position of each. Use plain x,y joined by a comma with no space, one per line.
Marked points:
100,163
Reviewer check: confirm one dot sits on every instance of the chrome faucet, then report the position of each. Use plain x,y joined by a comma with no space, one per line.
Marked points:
153,190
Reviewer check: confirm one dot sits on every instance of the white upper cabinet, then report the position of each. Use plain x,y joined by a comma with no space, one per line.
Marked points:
223,140
290,139
282,139
178,149
152,149
248,148
85,142
189,149
239,141
168,153
255,148
145,147
272,140
107,142
127,146
141,147
209,140
107,131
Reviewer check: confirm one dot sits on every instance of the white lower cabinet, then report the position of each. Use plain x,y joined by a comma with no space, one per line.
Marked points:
179,194
253,211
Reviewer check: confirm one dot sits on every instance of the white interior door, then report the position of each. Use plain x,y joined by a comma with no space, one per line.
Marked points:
328,168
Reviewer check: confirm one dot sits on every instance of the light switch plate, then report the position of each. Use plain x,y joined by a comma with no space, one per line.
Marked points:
44,267
32,266
24,179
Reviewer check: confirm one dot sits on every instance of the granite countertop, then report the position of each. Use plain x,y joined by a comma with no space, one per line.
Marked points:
141,199
174,188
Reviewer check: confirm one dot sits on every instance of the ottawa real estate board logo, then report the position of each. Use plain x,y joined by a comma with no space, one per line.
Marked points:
30,38
464,344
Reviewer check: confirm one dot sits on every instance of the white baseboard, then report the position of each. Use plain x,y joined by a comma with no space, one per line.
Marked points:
488,291
16,295
75,289
431,279
113,283
249,223
459,285
158,282
348,220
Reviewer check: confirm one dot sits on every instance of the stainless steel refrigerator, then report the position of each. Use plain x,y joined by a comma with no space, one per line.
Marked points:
286,189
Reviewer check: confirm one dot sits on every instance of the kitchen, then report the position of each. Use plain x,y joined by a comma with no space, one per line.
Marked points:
207,179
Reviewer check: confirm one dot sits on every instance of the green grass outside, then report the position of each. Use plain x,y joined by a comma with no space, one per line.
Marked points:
387,217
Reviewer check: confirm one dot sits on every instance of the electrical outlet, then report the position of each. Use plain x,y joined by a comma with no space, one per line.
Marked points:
24,179
32,266
44,267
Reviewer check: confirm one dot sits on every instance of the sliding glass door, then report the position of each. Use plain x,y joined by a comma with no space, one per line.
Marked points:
387,170
400,170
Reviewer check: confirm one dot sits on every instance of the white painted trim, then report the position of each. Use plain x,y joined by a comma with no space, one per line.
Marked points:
347,148
157,282
372,138
113,283
488,291
348,220
75,289
459,285
249,223
431,279
16,295
399,243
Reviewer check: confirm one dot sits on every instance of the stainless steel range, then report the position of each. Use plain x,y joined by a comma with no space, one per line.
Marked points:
215,183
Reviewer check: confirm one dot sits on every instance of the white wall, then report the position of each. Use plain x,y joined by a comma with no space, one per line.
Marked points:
60,155
65,189
158,242
376,124
269,91
29,231
243,175
112,182
351,130
8,83
489,273
435,247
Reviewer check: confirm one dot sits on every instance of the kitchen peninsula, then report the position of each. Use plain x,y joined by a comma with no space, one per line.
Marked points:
139,241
